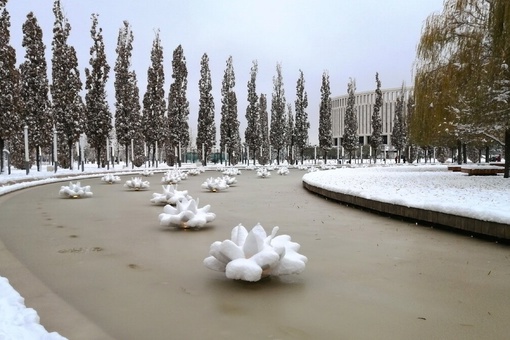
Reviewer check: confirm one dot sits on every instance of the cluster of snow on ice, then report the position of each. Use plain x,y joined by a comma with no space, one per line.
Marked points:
186,214
75,190
16,320
137,183
250,256
170,195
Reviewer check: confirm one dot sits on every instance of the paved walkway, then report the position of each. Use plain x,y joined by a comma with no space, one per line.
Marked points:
102,268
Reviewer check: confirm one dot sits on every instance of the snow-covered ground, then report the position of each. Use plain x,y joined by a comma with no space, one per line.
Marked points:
430,187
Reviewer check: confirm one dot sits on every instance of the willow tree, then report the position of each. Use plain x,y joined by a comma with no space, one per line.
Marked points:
499,28
452,82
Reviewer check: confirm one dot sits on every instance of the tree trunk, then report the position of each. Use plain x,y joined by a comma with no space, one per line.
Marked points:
38,158
70,155
126,149
487,154
464,153
459,152
507,153
1,155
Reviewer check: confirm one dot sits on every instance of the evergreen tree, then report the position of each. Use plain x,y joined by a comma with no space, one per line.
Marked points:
325,131
124,112
410,111
154,104
376,137
206,130
99,117
350,138
10,120
302,124
278,119
178,106
69,116
229,125
136,120
34,88
290,134
399,131
252,133
263,155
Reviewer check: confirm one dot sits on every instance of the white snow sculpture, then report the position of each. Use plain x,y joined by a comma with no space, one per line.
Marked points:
283,171
136,183
75,190
173,177
186,214
215,184
170,195
231,172
263,173
194,172
146,173
250,256
230,180
110,179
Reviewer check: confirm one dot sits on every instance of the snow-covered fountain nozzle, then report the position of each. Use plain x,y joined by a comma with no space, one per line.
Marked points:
253,255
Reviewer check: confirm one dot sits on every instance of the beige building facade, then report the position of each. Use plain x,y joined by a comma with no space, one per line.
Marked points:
364,106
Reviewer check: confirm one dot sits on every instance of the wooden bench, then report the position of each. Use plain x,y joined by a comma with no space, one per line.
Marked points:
454,168
483,171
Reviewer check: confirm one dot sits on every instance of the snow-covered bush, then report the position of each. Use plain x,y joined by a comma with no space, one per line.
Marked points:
250,256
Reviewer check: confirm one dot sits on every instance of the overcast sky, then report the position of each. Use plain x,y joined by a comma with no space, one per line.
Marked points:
347,38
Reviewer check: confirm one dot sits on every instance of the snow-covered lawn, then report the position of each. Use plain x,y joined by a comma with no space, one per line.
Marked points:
430,187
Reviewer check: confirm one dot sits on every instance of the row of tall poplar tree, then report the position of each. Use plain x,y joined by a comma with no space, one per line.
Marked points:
157,124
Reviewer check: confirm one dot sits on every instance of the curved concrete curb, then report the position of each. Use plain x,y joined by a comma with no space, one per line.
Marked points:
467,224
